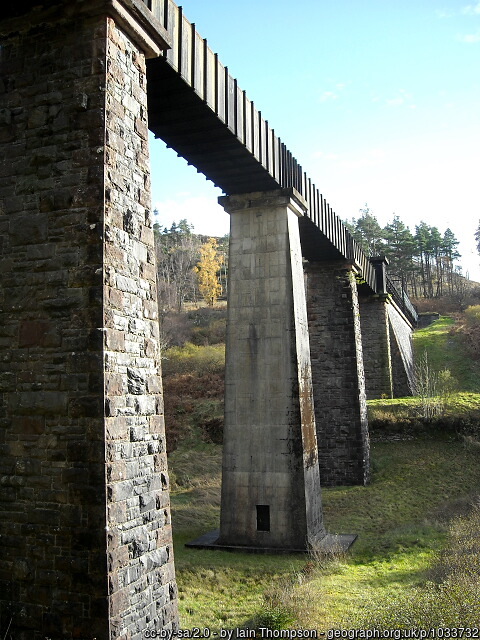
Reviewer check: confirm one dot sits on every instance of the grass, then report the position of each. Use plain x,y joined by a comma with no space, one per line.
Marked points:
401,519
422,480
446,350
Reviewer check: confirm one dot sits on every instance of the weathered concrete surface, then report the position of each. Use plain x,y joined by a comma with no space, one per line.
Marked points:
328,545
270,464
338,374
85,527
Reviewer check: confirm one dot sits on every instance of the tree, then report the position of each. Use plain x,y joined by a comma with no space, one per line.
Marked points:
177,251
399,249
449,255
424,251
367,232
477,237
424,264
207,271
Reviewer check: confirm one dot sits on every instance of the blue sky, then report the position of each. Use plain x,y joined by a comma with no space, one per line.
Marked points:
379,100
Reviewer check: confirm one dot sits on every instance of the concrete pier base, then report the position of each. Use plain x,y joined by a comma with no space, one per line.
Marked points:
330,544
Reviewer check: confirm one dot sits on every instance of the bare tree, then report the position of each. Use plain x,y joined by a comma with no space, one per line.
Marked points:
177,252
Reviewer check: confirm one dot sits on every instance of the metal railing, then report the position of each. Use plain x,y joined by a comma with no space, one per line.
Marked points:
401,299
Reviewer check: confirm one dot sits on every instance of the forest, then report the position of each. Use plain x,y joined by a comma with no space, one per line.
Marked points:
190,266
425,263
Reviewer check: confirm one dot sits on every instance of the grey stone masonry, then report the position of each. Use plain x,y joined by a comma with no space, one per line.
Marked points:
377,357
338,374
84,492
270,485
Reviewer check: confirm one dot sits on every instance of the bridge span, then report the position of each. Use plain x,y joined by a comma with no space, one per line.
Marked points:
200,110
314,325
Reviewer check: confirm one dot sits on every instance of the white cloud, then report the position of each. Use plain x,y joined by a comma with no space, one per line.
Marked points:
403,98
334,94
470,38
443,13
472,9
395,102
369,158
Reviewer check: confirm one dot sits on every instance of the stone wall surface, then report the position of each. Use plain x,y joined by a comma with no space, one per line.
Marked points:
338,374
85,525
377,358
401,345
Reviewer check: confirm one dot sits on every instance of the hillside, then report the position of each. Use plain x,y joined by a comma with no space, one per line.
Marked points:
425,476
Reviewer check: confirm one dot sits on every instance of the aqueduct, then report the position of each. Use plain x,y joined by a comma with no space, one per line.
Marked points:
314,326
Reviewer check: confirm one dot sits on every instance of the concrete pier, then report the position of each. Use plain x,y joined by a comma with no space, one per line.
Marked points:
271,494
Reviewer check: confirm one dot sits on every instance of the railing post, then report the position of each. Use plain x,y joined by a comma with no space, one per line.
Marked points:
379,263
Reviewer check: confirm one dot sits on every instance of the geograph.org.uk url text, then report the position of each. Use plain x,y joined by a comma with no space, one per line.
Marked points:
434,633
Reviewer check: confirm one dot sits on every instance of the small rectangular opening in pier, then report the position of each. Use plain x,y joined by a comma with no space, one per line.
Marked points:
263,517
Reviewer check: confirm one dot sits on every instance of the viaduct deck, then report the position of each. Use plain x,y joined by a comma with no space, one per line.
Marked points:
199,110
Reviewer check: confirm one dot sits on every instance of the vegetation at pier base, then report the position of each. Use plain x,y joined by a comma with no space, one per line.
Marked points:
416,560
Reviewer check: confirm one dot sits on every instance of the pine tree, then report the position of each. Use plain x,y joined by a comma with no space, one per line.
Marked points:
207,271
370,233
367,232
424,253
399,249
477,237
450,254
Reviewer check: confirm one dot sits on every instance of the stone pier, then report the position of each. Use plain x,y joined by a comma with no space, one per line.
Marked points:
337,372
270,485
376,339
387,341
84,491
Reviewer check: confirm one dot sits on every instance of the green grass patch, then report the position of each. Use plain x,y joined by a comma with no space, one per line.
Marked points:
401,519
446,350
425,474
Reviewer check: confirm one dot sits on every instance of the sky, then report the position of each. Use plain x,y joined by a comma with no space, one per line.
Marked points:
379,101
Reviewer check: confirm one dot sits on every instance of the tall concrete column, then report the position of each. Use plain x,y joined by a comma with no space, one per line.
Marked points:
270,484
338,374
85,527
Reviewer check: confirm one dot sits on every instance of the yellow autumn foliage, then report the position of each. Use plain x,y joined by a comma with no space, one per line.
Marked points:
207,271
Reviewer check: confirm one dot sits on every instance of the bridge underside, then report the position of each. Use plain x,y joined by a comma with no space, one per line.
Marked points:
85,490
181,119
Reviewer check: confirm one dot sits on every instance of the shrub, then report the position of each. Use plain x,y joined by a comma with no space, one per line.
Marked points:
193,359
472,316
209,325
434,388
468,327
214,333
193,406
278,611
